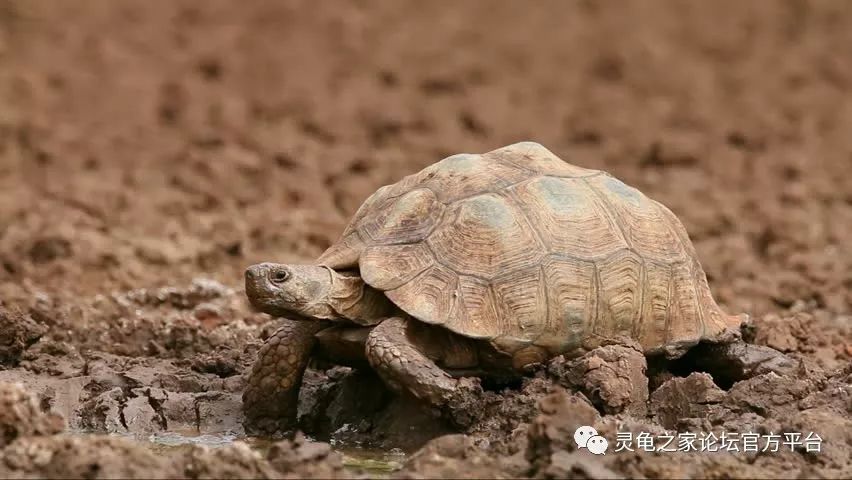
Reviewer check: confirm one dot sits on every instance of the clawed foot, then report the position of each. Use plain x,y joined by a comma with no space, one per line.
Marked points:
463,406
268,426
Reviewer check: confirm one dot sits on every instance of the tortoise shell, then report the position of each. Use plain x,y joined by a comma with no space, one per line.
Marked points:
521,248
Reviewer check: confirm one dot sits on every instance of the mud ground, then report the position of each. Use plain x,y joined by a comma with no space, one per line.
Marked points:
149,151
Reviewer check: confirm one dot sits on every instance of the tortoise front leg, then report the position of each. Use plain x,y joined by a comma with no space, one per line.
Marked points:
401,362
271,397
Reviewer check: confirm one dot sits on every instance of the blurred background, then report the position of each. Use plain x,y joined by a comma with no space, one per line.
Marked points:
144,144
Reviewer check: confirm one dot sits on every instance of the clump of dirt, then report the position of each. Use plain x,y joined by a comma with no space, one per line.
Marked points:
81,457
552,431
816,335
113,457
459,456
613,377
17,333
300,458
683,398
22,416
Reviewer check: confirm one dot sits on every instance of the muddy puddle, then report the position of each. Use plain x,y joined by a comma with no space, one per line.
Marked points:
376,463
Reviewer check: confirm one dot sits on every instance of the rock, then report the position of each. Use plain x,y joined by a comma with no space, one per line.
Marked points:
219,412
220,363
102,413
835,394
58,359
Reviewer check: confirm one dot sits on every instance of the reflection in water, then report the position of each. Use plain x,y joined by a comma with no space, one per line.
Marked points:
372,461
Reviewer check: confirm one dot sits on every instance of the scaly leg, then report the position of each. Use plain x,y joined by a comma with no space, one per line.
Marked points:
271,397
400,361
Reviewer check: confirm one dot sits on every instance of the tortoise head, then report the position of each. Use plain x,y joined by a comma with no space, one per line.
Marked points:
300,290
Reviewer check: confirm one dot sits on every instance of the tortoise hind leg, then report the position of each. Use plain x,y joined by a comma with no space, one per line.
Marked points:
401,361
732,362
272,393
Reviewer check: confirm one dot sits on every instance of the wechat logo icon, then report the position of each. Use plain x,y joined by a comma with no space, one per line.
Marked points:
587,437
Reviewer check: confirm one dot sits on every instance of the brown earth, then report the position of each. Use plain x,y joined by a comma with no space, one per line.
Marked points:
150,151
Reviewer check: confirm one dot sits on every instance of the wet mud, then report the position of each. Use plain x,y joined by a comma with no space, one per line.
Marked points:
150,151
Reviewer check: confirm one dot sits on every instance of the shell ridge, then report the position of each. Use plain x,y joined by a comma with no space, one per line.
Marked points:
640,306
608,210
469,274
488,192
542,278
595,320
522,210
669,306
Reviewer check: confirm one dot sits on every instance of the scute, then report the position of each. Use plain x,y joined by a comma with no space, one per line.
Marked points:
621,280
572,302
477,316
345,252
406,219
645,226
389,266
570,218
484,236
655,309
521,304
685,323
431,297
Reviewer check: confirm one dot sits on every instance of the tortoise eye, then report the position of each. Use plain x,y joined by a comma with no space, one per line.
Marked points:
279,276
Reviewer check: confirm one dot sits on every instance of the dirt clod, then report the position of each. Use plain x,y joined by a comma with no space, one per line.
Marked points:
21,415
680,398
459,456
17,333
612,376
553,430
299,458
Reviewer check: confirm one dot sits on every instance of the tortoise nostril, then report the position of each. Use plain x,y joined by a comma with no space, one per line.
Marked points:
252,273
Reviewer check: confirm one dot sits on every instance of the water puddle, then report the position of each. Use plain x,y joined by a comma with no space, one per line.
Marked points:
376,462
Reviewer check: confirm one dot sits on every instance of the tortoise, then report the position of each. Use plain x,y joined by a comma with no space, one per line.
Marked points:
483,265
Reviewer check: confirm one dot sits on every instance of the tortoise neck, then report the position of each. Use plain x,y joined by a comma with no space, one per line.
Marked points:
353,299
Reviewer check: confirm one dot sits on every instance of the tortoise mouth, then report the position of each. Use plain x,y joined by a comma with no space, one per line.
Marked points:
273,305
260,291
